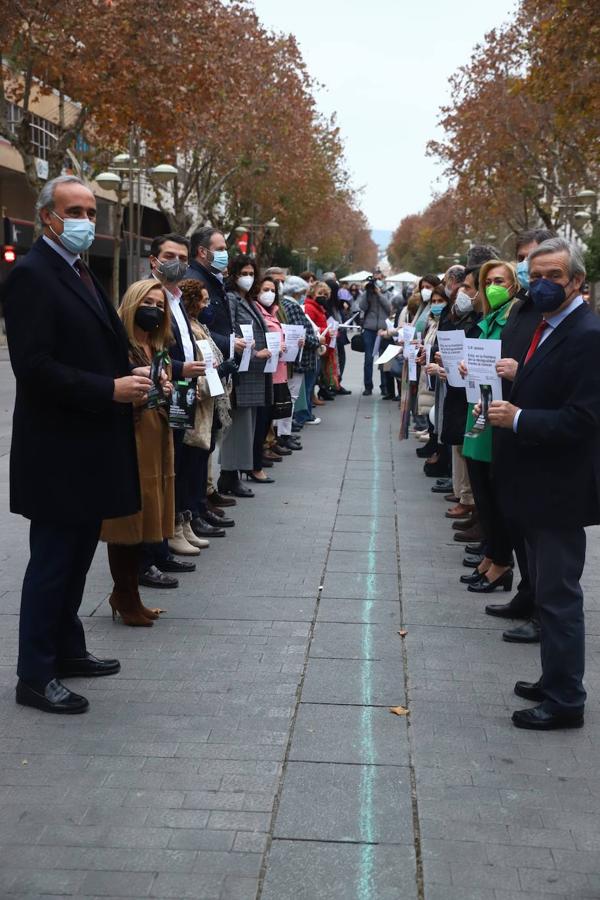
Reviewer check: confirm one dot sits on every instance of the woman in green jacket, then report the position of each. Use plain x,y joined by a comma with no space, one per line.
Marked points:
498,286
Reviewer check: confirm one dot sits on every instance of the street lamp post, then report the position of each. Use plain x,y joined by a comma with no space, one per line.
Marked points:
306,251
247,226
130,191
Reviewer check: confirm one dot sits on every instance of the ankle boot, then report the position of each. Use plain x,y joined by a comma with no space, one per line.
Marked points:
178,543
124,600
189,534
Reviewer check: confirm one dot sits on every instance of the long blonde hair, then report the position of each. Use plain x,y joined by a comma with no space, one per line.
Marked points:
161,338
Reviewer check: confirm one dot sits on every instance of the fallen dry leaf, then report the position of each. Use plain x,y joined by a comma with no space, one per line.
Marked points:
398,710
403,633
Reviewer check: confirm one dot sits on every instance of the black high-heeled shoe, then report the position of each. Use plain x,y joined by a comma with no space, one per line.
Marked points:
250,476
473,578
484,586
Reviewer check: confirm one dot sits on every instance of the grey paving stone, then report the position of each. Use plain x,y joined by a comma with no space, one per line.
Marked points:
362,682
360,586
349,734
309,870
350,641
366,561
372,612
333,802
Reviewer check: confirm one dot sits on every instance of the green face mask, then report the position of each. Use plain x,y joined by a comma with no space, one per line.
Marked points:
497,295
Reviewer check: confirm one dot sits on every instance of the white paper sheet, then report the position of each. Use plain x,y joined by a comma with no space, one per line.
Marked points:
376,346
481,356
274,345
452,349
408,335
333,325
412,362
212,376
292,334
231,345
248,336
388,354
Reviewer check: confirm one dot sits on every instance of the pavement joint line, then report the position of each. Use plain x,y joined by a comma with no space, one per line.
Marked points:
292,726
418,843
297,840
373,765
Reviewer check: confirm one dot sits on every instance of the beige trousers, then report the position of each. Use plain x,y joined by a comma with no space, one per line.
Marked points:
460,478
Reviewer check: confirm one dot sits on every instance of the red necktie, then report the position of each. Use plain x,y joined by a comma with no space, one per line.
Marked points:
537,336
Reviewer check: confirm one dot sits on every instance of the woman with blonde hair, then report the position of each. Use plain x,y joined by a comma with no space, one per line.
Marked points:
144,312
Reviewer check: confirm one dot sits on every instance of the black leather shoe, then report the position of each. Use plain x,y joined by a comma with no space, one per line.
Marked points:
538,719
485,586
216,499
471,561
88,667
513,610
367,392
170,564
477,549
53,698
527,633
217,521
530,690
153,577
474,578
240,491
203,529
442,487
343,391
281,450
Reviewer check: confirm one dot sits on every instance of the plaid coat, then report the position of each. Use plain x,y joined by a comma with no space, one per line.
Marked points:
296,316
251,388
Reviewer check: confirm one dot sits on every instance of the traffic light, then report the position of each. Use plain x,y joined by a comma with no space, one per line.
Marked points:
9,254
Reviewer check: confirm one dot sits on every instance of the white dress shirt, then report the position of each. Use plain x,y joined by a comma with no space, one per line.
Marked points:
178,314
70,258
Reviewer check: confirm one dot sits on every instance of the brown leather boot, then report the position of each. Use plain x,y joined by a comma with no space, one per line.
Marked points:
125,600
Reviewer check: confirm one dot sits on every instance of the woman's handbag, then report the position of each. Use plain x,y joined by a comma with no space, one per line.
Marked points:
397,365
358,343
282,402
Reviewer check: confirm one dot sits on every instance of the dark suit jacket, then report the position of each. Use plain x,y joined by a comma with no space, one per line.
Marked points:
518,332
549,471
73,454
221,325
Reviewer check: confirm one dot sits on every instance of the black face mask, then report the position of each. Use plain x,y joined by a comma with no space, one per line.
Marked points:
149,318
322,301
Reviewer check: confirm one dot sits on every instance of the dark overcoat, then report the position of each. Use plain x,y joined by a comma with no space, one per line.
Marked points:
549,471
73,454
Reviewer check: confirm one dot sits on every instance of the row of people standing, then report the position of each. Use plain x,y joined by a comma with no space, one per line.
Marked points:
523,474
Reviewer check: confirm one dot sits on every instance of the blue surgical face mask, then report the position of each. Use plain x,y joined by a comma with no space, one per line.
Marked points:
436,309
523,273
206,315
220,260
547,295
78,234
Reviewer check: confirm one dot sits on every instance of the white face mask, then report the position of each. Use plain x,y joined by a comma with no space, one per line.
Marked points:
245,282
267,298
463,302
426,294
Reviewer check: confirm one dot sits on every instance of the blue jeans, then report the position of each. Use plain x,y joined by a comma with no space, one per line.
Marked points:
304,415
369,338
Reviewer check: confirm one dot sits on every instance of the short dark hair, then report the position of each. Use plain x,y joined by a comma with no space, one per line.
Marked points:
478,254
238,263
539,235
201,238
430,278
157,242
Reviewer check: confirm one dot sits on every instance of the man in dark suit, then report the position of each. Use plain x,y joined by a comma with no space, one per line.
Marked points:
516,337
73,456
209,260
549,465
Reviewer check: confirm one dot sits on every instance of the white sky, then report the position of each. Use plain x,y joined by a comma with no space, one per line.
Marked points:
385,66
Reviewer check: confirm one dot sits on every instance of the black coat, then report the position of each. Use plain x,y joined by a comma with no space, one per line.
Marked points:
73,454
549,472
221,325
518,332
455,402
